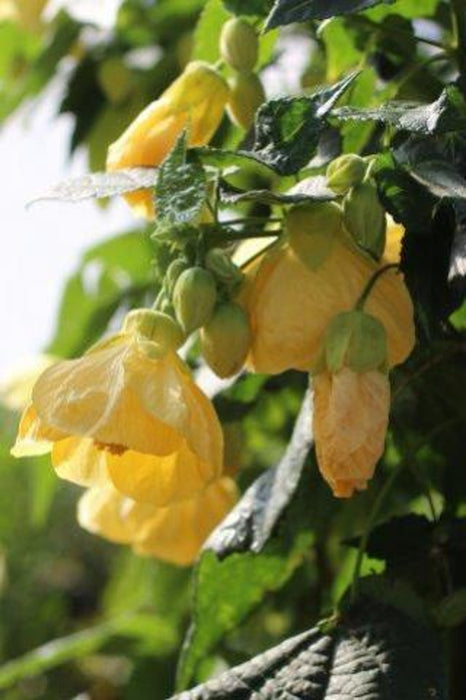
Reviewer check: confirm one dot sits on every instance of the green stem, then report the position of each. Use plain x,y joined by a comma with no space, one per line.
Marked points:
369,286
373,515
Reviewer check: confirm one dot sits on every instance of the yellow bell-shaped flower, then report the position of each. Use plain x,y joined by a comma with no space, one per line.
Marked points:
350,424
195,101
26,12
290,305
127,413
174,533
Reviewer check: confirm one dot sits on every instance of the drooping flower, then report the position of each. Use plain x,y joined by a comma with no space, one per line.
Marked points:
290,305
129,413
194,101
174,533
350,423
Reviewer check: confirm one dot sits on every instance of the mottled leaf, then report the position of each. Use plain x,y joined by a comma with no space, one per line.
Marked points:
446,114
375,652
99,185
288,11
288,128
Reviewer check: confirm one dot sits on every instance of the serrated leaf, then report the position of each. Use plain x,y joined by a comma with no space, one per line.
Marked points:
309,190
288,11
99,185
233,161
288,129
181,187
375,652
446,114
251,523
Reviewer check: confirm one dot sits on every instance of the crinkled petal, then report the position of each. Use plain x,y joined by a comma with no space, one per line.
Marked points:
290,306
350,424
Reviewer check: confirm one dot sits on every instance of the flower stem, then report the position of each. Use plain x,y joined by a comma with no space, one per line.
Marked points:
369,286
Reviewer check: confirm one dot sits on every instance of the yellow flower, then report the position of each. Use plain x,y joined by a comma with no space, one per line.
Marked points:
174,533
128,413
195,101
350,423
290,305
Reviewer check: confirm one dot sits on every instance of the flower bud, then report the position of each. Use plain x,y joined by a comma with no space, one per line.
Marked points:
246,96
239,46
311,230
174,270
115,79
356,340
218,262
194,298
364,218
225,340
345,172
155,326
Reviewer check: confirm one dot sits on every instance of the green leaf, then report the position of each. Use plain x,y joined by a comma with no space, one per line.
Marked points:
248,7
87,642
181,187
288,128
99,185
251,523
451,611
233,161
311,189
410,9
375,652
446,114
233,588
114,274
207,32
288,11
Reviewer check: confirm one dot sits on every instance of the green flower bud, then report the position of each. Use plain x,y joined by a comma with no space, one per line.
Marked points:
221,265
246,96
239,46
155,326
356,340
345,172
115,79
311,230
174,270
364,218
225,340
194,298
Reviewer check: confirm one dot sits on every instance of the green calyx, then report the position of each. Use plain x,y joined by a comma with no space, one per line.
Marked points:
356,340
194,298
346,172
246,96
239,45
225,339
155,326
311,231
364,218
225,271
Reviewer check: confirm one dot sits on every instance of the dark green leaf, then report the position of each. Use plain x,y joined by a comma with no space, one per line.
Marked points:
233,588
251,523
100,185
288,129
114,274
375,652
446,114
451,611
288,11
248,7
308,190
233,161
181,187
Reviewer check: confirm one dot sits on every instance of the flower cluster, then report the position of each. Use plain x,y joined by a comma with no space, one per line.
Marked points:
127,421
